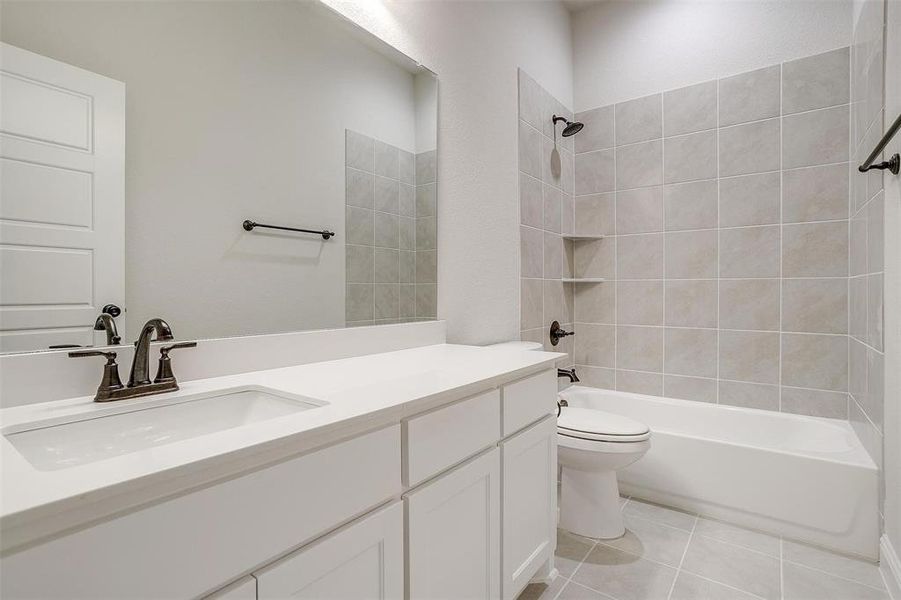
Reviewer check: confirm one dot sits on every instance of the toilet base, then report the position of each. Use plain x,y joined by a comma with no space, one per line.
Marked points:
589,504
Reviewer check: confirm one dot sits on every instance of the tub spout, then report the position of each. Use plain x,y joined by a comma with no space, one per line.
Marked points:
570,373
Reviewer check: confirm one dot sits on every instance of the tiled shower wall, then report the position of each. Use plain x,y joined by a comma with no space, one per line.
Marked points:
866,358
546,214
391,224
726,210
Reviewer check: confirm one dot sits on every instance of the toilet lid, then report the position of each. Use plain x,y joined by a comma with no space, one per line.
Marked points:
590,424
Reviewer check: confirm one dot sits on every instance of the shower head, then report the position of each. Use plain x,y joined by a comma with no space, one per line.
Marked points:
572,127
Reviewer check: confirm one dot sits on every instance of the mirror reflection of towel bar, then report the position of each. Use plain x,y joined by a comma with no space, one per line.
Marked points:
250,225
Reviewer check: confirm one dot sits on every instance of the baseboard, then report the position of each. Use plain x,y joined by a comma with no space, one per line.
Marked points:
890,565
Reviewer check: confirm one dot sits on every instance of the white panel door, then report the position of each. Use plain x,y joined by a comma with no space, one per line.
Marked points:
529,503
62,201
453,533
363,560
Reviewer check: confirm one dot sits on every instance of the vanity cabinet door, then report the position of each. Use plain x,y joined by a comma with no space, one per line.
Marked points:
530,503
453,533
363,560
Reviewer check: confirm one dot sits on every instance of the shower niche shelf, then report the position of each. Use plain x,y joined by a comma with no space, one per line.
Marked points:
573,238
578,238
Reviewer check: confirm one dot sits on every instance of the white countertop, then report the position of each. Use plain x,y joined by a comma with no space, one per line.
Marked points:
363,393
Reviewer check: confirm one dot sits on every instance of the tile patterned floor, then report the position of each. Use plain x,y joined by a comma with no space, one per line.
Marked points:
668,554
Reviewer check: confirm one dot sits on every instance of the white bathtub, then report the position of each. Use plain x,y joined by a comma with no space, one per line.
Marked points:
805,478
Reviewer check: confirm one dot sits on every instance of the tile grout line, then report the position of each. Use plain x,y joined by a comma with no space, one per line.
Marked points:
615,266
724,228
781,569
781,241
831,574
691,534
719,234
719,125
663,200
848,163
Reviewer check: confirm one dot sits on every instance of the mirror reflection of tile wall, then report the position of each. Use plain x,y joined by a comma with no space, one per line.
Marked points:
391,249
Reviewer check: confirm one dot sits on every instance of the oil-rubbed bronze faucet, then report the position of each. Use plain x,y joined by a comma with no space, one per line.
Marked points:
139,383
140,365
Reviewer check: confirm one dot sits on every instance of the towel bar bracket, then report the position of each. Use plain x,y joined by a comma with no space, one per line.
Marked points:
893,164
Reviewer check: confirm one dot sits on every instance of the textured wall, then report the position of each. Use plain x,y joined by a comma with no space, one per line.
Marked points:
626,50
475,48
725,206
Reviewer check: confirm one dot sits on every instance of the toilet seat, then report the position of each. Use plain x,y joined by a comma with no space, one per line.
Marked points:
596,425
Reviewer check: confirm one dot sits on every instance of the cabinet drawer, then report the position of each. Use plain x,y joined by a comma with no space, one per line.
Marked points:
449,435
528,400
198,541
363,560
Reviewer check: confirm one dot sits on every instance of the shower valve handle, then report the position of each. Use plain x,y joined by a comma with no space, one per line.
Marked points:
558,332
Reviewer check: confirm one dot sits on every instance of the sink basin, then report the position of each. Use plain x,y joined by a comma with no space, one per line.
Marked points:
51,445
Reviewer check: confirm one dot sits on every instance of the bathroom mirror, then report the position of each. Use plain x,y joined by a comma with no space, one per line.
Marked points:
147,147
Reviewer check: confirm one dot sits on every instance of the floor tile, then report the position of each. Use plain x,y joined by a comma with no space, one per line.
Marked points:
802,583
574,591
692,587
841,566
733,565
662,514
624,576
571,550
652,540
733,534
543,591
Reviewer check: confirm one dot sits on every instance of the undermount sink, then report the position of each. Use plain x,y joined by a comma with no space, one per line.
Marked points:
51,445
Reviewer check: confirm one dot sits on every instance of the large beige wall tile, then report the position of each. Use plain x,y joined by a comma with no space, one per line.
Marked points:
815,361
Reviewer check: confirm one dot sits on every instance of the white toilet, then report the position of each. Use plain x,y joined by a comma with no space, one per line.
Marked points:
591,446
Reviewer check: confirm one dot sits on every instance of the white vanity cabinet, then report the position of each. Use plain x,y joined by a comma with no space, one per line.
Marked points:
500,503
456,501
363,560
530,503
453,532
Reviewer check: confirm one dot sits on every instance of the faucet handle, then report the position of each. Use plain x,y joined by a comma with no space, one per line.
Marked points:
110,381
110,356
164,350
164,370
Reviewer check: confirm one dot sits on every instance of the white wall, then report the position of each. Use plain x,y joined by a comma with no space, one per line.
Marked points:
426,91
234,110
627,49
475,47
